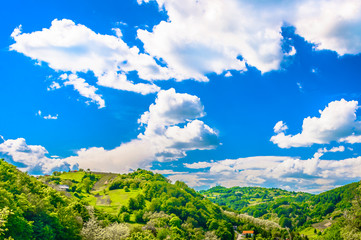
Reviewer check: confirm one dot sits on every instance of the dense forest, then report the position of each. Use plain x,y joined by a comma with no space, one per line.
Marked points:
32,210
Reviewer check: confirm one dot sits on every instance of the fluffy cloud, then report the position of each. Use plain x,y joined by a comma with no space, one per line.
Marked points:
199,37
312,175
334,149
83,88
198,165
203,36
332,25
171,128
337,122
31,158
53,86
170,108
280,127
351,139
70,47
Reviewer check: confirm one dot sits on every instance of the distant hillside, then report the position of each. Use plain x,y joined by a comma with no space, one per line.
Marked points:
295,210
245,199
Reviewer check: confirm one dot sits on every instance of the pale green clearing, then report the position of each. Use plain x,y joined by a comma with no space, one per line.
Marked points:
112,200
77,176
309,232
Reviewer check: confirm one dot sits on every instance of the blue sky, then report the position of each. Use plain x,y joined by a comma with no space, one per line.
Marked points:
226,93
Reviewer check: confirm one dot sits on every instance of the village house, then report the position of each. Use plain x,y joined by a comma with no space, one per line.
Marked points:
63,187
248,233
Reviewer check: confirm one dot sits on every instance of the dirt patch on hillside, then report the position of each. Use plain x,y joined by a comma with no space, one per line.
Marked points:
322,225
103,200
104,181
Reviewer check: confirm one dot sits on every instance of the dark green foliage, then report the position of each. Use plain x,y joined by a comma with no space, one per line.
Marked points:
285,222
36,210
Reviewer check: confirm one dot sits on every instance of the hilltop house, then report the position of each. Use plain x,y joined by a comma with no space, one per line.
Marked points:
248,233
63,187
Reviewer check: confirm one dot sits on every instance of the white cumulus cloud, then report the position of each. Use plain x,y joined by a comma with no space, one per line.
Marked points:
337,122
32,158
171,128
203,36
199,37
84,88
70,47
311,175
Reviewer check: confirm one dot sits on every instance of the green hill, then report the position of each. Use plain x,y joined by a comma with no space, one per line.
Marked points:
32,210
304,212
146,201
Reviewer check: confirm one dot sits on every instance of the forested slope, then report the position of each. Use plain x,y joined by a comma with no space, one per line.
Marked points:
302,212
32,210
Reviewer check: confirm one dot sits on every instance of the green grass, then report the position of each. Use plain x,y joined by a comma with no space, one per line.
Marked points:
77,176
120,197
309,232
100,197
108,209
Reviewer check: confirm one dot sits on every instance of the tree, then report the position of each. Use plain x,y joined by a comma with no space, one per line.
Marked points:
285,222
4,214
92,230
132,204
139,216
116,231
175,222
125,217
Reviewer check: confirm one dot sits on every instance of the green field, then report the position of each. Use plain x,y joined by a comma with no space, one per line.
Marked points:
111,201
76,176
309,232
99,194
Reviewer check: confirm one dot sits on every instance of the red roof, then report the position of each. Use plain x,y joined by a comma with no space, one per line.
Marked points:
247,232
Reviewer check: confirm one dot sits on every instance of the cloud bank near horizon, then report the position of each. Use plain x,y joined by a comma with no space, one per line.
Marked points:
311,175
171,128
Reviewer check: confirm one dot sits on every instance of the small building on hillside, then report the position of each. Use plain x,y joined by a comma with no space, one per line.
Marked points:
63,187
248,233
